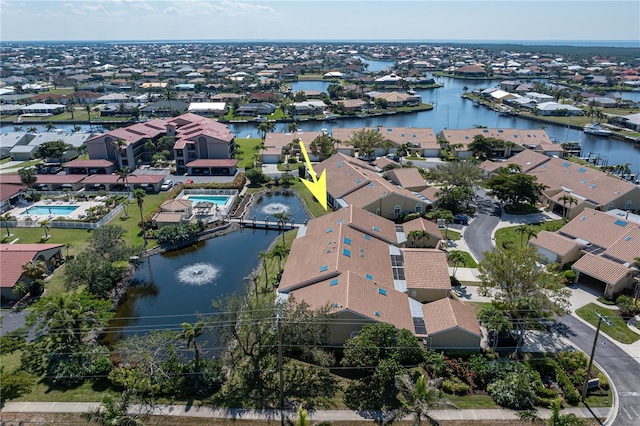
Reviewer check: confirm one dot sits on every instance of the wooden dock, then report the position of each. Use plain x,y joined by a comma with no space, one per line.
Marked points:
262,224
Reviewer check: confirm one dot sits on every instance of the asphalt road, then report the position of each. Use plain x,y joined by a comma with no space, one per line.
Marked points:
11,320
621,367
478,233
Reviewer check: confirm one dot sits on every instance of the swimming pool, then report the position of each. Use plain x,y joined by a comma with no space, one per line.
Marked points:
50,210
219,200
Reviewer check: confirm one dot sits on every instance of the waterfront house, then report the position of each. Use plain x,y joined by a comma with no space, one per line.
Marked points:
174,212
347,260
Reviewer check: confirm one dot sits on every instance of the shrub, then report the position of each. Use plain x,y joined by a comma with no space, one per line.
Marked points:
13,340
603,382
454,281
627,306
513,391
569,276
455,386
571,394
14,384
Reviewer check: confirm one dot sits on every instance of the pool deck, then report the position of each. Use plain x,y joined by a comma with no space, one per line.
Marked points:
77,214
223,209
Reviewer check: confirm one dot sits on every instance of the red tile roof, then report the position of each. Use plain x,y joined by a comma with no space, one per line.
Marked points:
13,256
89,163
213,163
446,314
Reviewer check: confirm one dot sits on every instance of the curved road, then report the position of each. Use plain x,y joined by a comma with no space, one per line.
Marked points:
478,233
622,368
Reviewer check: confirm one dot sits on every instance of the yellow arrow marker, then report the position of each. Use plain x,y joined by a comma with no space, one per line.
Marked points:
319,186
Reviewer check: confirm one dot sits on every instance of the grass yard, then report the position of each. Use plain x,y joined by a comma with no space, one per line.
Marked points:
478,306
618,329
468,260
246,145
472,401
76,237
133,233
510,234
450,234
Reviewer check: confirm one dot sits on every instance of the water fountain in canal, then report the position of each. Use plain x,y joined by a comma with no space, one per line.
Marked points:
198,274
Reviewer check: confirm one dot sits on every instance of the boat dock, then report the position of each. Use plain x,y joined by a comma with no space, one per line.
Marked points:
266,224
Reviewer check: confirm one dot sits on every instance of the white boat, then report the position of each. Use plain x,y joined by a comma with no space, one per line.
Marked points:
595,129
330,117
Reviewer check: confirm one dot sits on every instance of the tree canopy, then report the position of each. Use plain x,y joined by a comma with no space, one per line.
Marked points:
524,291
367,140
514,187
53,149
323,146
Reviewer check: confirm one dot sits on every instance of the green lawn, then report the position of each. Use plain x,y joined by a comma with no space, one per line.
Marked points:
468,260
133,232
76,237
478,306
246,145
472,401
510,234
450,234
618,329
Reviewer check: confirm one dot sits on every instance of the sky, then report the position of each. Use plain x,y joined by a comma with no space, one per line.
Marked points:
273,20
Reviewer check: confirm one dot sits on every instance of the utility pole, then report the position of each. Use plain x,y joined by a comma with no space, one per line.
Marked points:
593,352
280,372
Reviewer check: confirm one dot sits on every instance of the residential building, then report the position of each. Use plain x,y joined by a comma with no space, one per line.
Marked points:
13,256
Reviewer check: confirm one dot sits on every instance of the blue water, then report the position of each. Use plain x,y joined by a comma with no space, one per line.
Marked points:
321,86
271,203
219,200
46,210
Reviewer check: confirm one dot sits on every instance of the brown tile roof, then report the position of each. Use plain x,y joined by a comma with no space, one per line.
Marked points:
176,205
517,136
446,314
601,268
171,217
282,139
381,162
324,253
345,174
627,248
219,162
8,190
526,159
13,256
408,177
358,219
427,269
430,193
555,242
421,224
419,137
355,293
590,184
377,190
597,228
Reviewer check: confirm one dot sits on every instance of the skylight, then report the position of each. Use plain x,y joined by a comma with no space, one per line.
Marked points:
583,218
333,282
339,164
377,313
347,240
565,164
382,291
485,130
375,228
620,223
628,238
340,222
346,252
329,230
358,180
367,237
593,185
584,181
335,305
582,170
324,268
500,131
369,277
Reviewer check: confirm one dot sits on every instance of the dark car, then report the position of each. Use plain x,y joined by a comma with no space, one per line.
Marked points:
461,219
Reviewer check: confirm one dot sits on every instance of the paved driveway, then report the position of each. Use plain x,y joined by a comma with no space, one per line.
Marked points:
11,320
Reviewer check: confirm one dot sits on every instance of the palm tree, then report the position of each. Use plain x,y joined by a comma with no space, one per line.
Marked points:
5,218
522,229
114,412
418,398
265,255
139,195
117,147
403,150
45,224
456,258
123,175
190,333
266,127
49,126
67,246
88,109
565,200
283,218
280,251
415,236
28,178
76,128
35,269
292,127
571,201
32,129
17,128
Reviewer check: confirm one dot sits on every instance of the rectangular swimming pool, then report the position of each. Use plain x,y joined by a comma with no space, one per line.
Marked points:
50,210
219,200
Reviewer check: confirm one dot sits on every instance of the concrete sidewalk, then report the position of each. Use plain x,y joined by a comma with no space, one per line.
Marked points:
314,415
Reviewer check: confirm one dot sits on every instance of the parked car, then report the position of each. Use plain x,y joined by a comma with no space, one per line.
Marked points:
461,219
167,185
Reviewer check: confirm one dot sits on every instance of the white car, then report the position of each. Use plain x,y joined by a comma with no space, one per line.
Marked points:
166,185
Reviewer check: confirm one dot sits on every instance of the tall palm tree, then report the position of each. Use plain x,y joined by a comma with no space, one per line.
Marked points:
283,218
49,126
67,246
117,147
123,175
292,127
190,333
32,129
266,127
114,412
265,255
522,230
5,218
88,109
564,199
419,398
28,178
456,258
45,224
17,128
139,195
280,251
403,150
571,202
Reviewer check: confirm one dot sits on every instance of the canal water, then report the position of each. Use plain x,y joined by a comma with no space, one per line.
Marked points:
172,287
